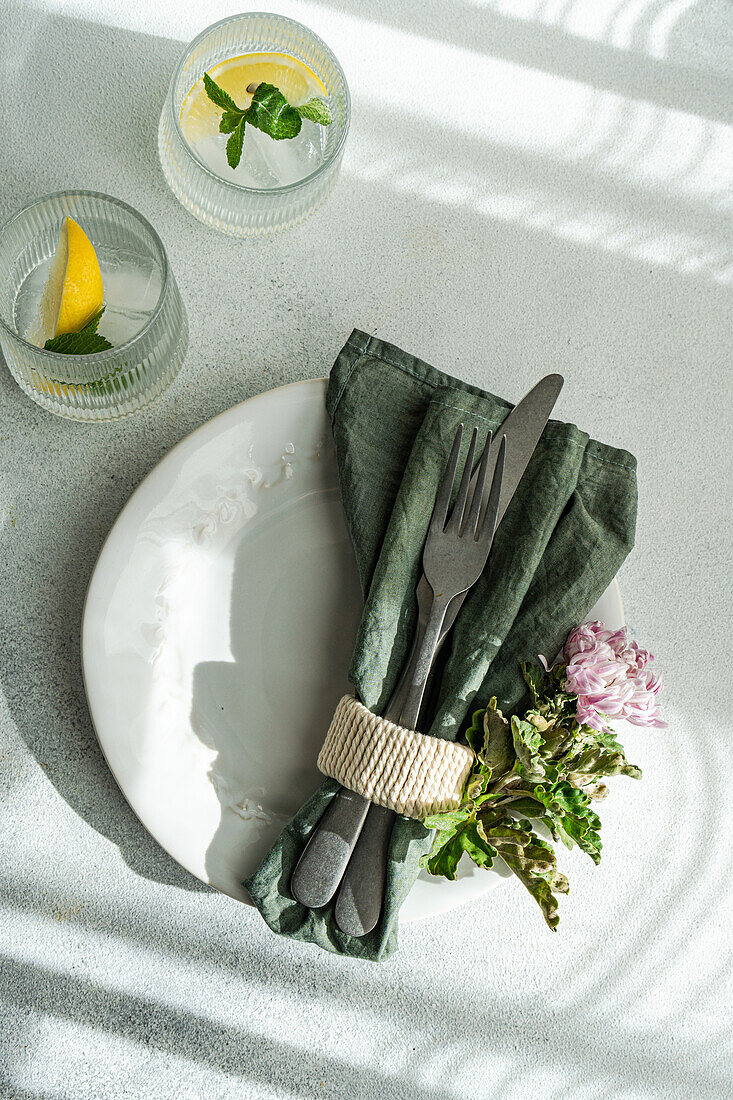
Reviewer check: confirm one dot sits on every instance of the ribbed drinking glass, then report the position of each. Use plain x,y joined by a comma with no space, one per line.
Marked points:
220,202
144,317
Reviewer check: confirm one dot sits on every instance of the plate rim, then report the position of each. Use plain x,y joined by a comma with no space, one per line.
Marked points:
303,382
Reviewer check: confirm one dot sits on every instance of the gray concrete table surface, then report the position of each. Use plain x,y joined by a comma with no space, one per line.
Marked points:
528,186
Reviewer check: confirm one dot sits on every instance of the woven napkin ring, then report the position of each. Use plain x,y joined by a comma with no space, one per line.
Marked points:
408,772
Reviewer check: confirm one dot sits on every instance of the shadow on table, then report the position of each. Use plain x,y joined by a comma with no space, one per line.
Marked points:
96,125
593,1034
657,62
45,567
588,1041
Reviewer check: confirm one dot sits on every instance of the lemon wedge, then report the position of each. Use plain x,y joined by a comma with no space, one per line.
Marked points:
74,291
200,117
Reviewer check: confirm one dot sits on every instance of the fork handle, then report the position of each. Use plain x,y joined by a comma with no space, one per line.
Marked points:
396,705
422,660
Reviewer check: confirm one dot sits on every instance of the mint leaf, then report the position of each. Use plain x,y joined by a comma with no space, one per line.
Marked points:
218,96
78,343
316,111
270,112
93,323
235,144
229,121
87,341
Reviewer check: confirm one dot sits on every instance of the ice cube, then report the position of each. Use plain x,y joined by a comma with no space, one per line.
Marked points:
289,160
265,162
133,285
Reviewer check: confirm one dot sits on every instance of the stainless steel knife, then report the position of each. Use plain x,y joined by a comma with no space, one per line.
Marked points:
329,850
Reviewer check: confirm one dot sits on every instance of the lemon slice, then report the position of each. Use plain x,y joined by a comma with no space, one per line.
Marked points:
73,292
200,117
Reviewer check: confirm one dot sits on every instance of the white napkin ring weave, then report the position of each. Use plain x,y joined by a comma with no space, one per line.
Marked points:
406,771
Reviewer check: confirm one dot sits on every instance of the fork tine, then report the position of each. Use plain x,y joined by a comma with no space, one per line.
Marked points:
456,518
440,510
478,489
492,508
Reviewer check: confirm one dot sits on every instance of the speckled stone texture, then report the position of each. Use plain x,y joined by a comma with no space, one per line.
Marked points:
528,186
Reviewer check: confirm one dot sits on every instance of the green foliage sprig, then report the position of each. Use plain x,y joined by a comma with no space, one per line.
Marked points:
539,769
269,111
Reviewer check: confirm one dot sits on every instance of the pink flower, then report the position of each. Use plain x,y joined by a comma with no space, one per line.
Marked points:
610,675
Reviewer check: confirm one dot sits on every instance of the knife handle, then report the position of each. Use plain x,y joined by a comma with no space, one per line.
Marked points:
359,901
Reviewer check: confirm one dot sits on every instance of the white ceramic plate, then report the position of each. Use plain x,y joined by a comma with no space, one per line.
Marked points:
217,634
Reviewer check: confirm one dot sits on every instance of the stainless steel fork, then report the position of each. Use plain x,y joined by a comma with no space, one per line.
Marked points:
454,557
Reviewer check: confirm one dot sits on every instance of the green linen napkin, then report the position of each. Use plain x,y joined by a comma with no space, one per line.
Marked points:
562,539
